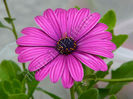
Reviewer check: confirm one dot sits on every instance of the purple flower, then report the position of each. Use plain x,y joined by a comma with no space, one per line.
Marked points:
66,38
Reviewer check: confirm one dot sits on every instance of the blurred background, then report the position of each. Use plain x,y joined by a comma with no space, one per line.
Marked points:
25,11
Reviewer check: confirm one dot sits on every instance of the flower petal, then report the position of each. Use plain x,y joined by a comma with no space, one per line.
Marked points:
32,31
98,32
92,61
62,20
47,27
70,15
20,49
79,21
43,59
49,14
97,44
75,68
30,53
57,69
87,22
67,80
97,51
35,41
42,73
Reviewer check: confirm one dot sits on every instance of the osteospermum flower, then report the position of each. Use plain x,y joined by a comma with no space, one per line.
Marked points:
66,38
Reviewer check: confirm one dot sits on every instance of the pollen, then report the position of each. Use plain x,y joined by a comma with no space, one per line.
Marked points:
66,45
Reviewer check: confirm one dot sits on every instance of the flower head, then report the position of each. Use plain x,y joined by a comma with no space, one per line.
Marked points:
66,38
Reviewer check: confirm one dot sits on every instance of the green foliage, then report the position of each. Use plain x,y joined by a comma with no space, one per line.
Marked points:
31,82
119,39
9,20
4,26
103,92
124,71
77,7
112,97
11,89
53,96
9,70
89,94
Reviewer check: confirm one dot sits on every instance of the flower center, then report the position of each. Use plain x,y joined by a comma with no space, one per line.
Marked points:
66,45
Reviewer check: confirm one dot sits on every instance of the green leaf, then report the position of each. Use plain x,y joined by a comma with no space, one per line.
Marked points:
18,96
119,39
4,26
31,82
9,20
9,70
77,7
112,97
124,71
103,92
109,19
48,93
11,90
89,94
3,94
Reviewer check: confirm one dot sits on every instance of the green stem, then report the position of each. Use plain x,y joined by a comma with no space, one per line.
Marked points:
12,23
72,92
23,64
13,26
113,80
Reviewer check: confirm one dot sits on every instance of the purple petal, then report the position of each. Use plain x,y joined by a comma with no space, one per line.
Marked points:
92,61
43,59
97,44
35,41
62,19
30,53
42,73
70,15
85,24
32,31
67,80
49,14
78,21
98,32
47,27
75,68
57,69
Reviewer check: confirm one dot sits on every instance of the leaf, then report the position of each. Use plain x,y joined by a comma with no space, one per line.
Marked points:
4,26
9,20
9,70
124,71
48,93
18,96
103,92
77,7
109,19
112,97
8,90
89,94
118,40
31,82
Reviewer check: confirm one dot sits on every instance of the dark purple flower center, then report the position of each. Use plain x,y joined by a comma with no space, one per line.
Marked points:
66,45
